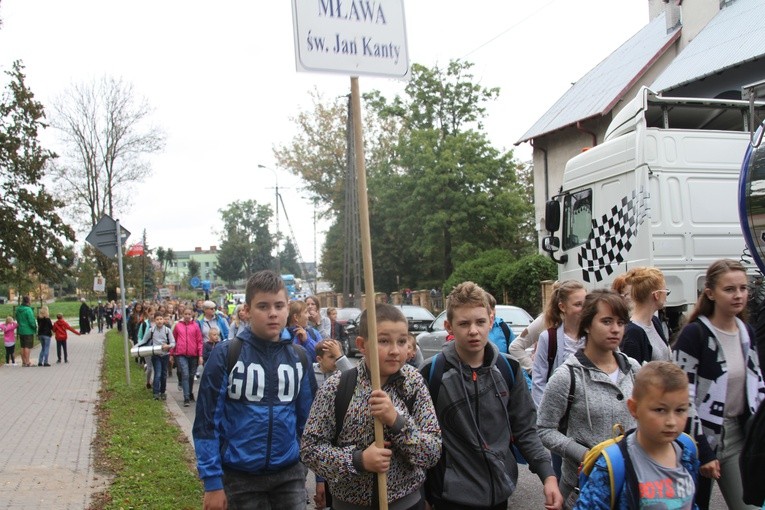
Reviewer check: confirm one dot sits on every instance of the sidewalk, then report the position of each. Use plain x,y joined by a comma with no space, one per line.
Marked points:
48,418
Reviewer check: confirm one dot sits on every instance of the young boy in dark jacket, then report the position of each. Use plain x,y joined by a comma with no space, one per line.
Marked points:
249,419
480,415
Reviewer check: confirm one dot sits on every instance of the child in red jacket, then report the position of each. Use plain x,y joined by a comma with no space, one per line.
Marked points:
59,330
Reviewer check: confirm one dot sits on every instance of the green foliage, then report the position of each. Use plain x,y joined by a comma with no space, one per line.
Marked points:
246,242
483,270
194,267
522,281
288,260
33,234
70,309
439,192
144,444
511,280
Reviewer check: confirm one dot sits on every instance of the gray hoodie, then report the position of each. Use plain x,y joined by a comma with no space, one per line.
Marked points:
598,405
482,472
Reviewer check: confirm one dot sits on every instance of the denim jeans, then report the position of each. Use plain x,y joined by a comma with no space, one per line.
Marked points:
188,368
44,349
283,490
159,363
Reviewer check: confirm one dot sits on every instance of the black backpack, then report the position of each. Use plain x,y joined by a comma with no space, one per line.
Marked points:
752,459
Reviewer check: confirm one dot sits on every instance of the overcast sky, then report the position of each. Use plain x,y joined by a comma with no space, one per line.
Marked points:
221,79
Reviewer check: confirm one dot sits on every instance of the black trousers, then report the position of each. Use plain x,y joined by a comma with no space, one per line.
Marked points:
61,344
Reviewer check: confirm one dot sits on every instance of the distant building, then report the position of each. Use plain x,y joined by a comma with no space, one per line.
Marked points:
179,268
705,48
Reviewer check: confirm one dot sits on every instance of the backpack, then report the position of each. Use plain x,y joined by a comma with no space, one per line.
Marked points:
752,459
437,365
616,454
345,389
552,350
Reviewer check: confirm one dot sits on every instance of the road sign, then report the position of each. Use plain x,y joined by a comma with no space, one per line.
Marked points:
195,282
353,38
103,237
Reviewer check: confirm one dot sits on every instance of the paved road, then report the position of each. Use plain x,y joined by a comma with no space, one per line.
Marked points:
48,421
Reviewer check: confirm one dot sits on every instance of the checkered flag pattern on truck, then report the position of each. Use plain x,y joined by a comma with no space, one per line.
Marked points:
611,237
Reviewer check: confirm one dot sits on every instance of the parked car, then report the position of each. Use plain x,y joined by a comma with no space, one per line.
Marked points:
418,318
433,339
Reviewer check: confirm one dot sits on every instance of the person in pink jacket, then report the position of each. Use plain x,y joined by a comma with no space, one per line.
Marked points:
9,333
187,353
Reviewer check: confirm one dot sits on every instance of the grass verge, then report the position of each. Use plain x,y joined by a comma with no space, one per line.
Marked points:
148,457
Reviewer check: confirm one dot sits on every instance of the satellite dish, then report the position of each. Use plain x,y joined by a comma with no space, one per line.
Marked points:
751,201
195,282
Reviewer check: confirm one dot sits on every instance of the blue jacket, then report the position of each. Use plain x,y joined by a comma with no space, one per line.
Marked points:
314,338
247,426
497,335
222,325
596,493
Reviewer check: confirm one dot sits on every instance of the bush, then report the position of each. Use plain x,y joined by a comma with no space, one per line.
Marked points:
522,281
482,270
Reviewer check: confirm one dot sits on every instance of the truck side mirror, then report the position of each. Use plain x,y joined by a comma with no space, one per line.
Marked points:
550,244
552,215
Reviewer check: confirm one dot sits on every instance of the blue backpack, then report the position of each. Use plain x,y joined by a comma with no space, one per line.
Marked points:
615,452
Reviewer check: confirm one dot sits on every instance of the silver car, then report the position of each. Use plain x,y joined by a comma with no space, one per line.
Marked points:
433,340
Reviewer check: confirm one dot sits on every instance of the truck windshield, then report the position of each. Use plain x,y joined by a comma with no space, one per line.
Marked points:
577,218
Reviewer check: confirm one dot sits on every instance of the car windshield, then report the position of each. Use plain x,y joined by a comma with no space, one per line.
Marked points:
515,316
417,313
438,324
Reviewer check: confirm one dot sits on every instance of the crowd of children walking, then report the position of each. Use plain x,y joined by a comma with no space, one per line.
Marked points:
452,430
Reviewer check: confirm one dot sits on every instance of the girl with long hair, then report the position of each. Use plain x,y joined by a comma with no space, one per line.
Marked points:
716,351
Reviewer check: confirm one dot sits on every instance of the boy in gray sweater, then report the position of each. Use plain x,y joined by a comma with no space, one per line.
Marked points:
480,415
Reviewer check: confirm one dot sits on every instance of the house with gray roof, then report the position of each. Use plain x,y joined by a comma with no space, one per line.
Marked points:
704,48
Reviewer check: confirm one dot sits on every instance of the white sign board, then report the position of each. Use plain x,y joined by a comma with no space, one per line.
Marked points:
354,37
99,284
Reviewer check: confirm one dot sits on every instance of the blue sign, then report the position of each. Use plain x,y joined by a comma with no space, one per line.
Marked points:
195,282
206,285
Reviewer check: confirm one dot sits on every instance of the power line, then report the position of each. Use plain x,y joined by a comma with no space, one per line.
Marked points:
509,29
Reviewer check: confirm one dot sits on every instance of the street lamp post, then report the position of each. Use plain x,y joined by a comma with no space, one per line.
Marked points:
276,198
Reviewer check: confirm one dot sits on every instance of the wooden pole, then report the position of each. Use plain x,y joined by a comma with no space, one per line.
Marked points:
369,285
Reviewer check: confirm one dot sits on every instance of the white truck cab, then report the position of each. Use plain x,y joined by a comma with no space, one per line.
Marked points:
661,190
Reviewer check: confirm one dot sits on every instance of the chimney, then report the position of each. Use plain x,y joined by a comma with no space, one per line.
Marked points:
197,248
673,12
213,249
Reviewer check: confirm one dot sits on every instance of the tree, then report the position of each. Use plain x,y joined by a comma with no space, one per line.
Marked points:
34,237
439,192
194,268
289,260
450,194
245,241
104,131
229,266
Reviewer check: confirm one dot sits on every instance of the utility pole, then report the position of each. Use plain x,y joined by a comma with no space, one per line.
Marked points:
276,199
352,247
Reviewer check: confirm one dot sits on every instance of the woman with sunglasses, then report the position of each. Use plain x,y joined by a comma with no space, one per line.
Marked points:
644,338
